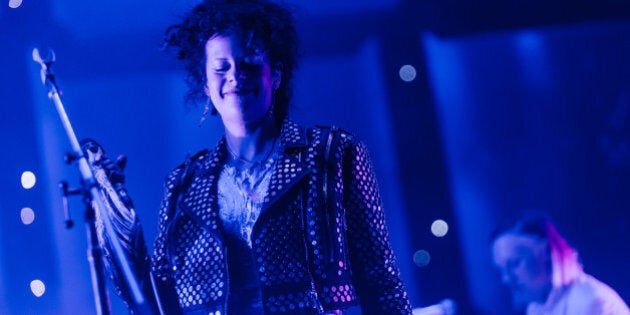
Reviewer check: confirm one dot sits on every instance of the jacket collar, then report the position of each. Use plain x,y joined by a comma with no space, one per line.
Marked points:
292,135
291,165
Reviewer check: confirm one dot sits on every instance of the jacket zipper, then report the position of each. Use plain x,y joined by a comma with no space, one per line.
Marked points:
328,212
227,280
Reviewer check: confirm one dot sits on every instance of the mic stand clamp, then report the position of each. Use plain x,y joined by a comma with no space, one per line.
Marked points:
95,251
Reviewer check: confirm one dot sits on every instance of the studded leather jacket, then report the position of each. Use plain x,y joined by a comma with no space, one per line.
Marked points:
319,244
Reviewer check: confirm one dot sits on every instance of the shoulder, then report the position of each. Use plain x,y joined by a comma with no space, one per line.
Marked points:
338,144
596,297
334,129
336,134
190,163
589,286
296,134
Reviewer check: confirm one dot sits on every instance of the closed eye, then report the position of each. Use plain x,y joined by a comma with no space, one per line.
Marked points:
514,263
221,69
253,68
221,66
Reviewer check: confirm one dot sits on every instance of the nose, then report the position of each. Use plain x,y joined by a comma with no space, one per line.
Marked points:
507,277
237,73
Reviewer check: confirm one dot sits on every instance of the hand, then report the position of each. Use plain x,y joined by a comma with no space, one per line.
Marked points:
114,170
95,155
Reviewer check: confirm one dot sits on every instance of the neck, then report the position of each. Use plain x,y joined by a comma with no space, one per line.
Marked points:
251,142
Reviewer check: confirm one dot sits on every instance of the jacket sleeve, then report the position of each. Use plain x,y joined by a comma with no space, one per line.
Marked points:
174,186
160,264
374,270
128,231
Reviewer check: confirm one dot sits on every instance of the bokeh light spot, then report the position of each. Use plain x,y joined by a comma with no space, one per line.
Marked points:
28,180
407,73
27,215
421,258
439,228
15,3
38,287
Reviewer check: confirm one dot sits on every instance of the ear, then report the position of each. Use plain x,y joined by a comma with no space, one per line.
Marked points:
205,90
276,75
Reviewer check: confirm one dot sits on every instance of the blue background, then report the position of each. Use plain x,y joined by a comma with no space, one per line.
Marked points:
515,105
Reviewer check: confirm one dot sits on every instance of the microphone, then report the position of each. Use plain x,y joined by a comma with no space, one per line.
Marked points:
45,73
444,307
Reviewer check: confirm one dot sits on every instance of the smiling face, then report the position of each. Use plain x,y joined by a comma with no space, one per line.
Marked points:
525,266
239,80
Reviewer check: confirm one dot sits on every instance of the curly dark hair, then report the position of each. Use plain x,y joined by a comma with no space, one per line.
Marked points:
269,25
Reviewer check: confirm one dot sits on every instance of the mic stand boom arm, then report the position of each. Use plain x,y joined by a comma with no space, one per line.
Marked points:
87,176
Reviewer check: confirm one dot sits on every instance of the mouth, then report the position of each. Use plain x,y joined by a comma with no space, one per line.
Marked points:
238,91
519,290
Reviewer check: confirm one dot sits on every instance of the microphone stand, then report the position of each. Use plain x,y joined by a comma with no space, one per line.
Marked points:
95,259
91,186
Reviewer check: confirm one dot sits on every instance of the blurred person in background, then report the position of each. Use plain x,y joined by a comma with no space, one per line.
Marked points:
544,273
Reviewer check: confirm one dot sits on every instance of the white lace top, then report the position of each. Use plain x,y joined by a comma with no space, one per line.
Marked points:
242,188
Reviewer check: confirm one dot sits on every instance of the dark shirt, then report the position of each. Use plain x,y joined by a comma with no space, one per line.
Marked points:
244,288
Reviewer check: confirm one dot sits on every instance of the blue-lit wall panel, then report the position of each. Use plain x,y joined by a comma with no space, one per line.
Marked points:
26,251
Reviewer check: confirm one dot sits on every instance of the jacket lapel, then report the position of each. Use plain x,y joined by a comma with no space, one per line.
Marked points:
200,201
290,166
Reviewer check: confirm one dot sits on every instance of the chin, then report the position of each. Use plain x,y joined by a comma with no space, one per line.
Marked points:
521,299
255,115
519,302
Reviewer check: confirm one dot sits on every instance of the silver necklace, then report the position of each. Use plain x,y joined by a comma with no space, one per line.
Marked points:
245,162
